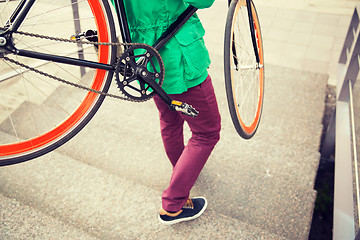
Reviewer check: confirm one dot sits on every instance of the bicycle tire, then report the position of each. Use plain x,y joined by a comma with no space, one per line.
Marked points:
244,82
46,114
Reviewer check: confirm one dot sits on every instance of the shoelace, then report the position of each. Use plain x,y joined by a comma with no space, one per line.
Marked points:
189,204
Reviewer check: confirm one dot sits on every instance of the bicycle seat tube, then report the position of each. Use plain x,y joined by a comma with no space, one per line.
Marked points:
174,27
19,14
124,26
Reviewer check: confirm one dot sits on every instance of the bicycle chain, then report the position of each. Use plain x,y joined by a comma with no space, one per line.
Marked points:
71,83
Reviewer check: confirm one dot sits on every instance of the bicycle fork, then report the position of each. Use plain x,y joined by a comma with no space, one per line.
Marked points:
253,37
252,31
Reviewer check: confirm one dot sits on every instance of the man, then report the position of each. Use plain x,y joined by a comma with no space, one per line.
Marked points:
186,60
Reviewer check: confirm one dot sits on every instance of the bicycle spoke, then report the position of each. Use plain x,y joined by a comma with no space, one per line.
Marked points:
10,118
39,112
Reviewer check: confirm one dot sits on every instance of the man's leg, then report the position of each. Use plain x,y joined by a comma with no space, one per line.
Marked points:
205,134
171,126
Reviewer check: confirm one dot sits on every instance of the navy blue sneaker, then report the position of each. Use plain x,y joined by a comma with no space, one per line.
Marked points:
192,209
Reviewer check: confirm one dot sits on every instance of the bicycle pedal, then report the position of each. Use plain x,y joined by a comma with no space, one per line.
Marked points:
90,35
184,108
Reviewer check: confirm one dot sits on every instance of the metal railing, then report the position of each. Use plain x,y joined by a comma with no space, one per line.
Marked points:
341,136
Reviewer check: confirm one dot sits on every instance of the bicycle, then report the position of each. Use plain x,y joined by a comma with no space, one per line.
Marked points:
54,79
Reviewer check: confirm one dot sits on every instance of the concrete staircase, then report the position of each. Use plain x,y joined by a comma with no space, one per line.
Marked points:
106,183
59,197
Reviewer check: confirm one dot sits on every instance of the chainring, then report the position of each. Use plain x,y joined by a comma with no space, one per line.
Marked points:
138,65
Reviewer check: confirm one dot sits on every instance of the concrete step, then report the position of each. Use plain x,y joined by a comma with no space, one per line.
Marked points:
31,118
20,221
272,175
96,205
267,181
35,88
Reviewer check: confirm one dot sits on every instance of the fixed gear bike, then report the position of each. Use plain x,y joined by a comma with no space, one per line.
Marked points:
58,59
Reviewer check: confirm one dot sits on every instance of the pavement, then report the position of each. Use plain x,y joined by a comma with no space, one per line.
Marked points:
106,183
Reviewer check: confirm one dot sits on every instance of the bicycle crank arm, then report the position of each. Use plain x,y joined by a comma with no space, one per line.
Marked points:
184,108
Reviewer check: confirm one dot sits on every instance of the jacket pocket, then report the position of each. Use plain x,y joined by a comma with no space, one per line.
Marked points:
190,39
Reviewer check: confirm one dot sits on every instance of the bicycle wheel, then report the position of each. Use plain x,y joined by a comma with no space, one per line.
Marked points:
244,78
37,113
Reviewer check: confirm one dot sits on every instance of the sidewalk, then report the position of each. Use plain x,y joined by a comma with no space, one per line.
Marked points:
304,35
313,34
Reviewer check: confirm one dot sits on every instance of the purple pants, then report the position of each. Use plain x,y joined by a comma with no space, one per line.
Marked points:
188,161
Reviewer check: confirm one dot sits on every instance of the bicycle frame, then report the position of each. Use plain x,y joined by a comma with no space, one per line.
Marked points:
165,37
17,18
41,115
25,5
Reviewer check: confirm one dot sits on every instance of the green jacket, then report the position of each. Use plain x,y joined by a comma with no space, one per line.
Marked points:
185,56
